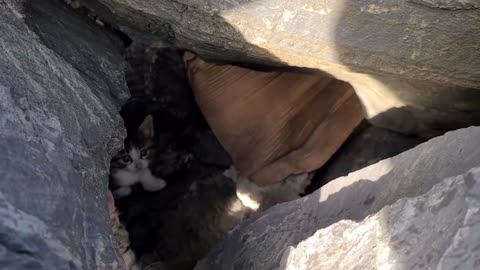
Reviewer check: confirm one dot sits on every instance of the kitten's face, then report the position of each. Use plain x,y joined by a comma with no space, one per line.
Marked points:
138,151
135,158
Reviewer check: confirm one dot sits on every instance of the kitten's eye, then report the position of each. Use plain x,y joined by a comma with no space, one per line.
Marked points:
126,159
143,153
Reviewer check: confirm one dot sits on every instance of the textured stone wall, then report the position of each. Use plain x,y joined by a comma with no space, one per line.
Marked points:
61,84
414,64
438,230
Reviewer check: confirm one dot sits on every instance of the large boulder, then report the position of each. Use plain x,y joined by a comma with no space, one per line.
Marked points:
391,38
261,242
61,84
414,64
438,230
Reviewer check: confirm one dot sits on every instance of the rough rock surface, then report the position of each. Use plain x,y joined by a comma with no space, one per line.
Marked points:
61,84
438,230
385,49
449,4
426,109
259,243
366,146
389,37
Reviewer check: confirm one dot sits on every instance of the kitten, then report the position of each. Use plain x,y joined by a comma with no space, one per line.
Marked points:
132,165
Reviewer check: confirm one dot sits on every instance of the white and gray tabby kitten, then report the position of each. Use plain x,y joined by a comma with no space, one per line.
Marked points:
132,165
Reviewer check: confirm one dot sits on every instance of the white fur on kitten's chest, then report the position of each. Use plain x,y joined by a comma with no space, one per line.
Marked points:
128,178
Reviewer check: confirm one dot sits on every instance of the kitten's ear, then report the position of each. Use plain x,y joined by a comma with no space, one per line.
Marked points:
146,129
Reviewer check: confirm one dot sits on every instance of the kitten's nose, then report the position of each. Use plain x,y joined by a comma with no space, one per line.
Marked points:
138,164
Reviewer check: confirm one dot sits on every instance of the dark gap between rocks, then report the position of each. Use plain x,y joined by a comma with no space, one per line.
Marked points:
179,224
169,225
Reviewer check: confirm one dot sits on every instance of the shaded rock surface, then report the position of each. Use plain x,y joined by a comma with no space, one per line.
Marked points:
437,230
405,81
425,109
259,243
61,84
366,146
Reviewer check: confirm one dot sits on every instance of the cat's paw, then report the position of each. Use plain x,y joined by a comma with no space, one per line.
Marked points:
154,184
150,182
122,192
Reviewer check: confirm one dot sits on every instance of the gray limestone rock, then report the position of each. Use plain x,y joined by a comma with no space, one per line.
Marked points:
437,230
449,4
433,40
260,243
61,84
366,146
414,64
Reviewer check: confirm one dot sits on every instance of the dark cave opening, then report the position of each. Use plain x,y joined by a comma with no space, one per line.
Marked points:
163,225
178,225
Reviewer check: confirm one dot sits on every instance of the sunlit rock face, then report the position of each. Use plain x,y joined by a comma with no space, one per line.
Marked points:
437,230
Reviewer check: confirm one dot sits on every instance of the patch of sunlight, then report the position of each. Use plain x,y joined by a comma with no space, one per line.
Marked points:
372,173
